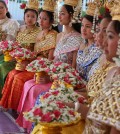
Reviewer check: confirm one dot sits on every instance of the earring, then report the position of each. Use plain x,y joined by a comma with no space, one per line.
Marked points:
50,28
70,24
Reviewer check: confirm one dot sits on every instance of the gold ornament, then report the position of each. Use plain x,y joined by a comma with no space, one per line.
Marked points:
91,7
71,2
49,5
109,4
115,10
33,4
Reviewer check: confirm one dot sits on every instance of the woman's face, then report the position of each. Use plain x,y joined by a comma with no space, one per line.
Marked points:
64,16
3,11
96,33
30,18
86,29
111,42
44,20
101,36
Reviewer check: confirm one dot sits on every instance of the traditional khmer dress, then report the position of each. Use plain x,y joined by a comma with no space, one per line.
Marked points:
31,89
15,80
86,58
93,88
66,46
10,28
105,109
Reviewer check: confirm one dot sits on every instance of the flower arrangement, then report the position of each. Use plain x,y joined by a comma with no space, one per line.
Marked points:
64,93
8,45
71,78
60,67
22,53
38,65
51,112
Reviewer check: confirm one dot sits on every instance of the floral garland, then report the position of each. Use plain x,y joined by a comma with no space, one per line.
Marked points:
8,45
41,64
52,112
22,53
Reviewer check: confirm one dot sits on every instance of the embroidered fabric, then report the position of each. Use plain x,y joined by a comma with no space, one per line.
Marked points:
106,107
65,47
48,42
68,43
27,38
85,60
11,27
95,82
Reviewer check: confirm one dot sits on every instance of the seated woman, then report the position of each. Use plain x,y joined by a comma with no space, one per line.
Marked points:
104,110
14,82
68,41
8,31
88,52
97,79
44,47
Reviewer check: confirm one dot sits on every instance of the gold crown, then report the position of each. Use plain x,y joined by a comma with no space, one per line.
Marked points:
71,2
91,7
109,4
33,4
115,10
49,5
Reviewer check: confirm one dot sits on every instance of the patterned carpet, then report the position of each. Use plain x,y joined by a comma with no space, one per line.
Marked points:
8,125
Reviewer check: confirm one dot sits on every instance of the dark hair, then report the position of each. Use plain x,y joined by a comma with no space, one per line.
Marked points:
116,25
69,9
107,16
28,9
89,18
49,14
7,14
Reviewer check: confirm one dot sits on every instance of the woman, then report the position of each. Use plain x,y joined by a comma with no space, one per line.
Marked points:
97,79
69,40
100,38
105,107
88,52
8,31
45,45
67,46
15,79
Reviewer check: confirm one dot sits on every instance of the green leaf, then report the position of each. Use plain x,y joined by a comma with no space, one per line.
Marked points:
102,10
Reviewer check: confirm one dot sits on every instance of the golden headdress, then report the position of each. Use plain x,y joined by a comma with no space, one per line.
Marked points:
49,5
71,2
115,10
91,7
109,4
32,4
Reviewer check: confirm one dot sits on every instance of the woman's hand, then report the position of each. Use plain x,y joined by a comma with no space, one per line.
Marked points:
71,105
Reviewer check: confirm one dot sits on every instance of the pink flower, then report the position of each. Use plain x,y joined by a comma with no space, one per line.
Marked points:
81,99
72,113
38,111
58,63
46,96
54,69
60,104
56,113
47,117
55,93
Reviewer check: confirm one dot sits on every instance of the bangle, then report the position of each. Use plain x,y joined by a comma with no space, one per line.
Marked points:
77,106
